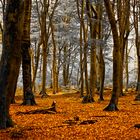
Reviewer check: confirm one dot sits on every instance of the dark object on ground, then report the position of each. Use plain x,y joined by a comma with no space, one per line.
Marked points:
50,110
77,121
137,125
16,134
88,122
76,118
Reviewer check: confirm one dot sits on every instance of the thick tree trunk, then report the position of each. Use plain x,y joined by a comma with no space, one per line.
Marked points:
11,58
28,98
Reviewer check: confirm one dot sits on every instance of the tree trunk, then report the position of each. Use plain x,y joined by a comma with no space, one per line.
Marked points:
36,64
65,66
28,98
80,15
136,11
126,67
101,57
11,58
54,67
44,36
88,98
137,98
123,9
102,74
116,59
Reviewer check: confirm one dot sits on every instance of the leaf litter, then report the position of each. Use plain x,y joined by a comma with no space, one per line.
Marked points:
74,120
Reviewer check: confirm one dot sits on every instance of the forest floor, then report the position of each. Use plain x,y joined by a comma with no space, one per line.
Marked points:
66,124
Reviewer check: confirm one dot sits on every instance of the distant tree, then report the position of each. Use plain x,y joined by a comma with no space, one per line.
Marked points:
45,14
123,14
66,64
92,18
54,63
80,16
101,56
91,84
11,58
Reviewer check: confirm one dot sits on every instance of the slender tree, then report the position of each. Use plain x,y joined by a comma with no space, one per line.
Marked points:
101,56
123,13
116,58
54,67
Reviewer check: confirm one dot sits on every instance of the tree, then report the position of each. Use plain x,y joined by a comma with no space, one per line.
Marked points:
26,56
136,15
45,18
54,64
11,57
80,16
116,58
123,13
92,14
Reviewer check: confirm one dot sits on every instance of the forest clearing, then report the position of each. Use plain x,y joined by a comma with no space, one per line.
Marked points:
66,122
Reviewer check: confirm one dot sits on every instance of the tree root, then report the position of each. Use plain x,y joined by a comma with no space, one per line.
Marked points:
111,107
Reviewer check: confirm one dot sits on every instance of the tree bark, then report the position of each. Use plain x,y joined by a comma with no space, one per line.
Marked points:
136,12
28,96
54,67
11,58
116,59
80,15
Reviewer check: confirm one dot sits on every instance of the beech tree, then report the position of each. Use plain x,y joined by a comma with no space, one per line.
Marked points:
28,98
136,17
11,57
116,58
